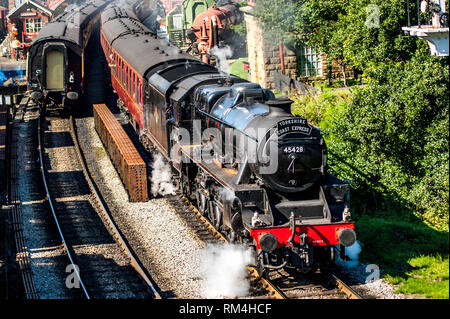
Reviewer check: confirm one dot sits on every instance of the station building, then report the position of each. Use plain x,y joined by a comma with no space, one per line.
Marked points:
25,19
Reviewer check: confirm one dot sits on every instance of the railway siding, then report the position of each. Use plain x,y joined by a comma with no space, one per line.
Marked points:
105,270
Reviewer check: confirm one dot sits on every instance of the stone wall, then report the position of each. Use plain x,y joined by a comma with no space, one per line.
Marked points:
265,58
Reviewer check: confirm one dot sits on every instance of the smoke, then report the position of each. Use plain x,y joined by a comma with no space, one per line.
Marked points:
351,252
161,177
224,270
226,194
222,55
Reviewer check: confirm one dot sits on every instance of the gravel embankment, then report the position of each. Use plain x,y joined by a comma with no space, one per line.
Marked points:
165,246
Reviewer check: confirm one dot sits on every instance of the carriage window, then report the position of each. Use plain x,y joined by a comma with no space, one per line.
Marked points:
116,67
131,84
124,75
128,79
139,92
134,87
120,70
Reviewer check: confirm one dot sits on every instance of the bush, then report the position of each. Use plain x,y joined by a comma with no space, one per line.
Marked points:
320,110
392,140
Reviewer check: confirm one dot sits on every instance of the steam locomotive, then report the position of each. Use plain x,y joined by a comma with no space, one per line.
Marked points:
256,171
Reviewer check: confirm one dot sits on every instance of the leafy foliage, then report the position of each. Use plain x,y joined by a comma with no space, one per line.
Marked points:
391,139
360,32
394,137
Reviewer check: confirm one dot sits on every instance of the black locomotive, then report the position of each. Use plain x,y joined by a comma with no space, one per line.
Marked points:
55,69
255,170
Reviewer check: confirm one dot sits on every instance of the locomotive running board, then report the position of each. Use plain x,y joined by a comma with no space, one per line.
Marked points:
224,176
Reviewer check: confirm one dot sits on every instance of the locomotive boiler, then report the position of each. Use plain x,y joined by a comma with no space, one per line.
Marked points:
267,182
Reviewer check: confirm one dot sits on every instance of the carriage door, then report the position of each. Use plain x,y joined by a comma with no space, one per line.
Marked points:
55,70
54,61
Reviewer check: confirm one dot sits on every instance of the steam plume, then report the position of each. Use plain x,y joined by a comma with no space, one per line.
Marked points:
224,270
161,177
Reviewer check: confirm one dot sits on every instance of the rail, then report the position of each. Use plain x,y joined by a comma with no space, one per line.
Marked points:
344,288
107,216
273,291
52,208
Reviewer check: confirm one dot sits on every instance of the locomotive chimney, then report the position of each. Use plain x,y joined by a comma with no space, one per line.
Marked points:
280,105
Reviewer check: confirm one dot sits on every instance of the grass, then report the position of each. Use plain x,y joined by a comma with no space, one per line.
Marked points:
412,255
238,70
429,277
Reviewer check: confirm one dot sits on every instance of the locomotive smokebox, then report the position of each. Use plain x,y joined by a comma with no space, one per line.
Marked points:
346,236
268,242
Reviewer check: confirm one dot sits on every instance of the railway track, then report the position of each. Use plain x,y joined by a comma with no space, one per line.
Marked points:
102,264
13,201
287,286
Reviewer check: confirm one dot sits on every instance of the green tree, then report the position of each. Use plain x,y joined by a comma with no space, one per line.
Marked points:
391,140
363,33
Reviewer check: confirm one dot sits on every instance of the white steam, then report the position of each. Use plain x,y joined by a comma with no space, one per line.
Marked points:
222,55
226,194
161,177
224,270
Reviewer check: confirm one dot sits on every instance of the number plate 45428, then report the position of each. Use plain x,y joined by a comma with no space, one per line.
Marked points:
293,149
